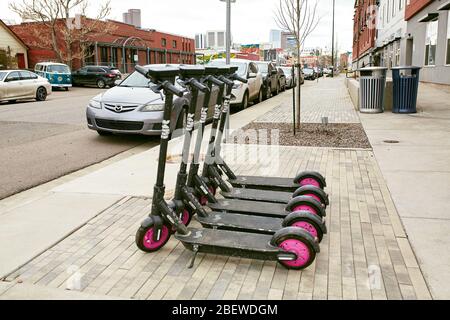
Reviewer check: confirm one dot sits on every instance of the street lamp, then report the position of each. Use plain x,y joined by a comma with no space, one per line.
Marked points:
228,32
228,50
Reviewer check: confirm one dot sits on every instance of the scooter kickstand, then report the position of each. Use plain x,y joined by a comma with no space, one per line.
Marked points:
194,255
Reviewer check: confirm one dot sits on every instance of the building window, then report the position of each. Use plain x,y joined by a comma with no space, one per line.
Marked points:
431,42
447,61
163,42
174,44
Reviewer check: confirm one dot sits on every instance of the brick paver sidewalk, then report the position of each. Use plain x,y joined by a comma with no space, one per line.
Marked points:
366,254
326,98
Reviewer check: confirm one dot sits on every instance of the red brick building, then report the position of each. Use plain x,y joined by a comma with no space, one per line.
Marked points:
414,6
124,47
364,31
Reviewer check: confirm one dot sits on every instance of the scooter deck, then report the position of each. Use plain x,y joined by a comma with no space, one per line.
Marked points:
264,183
242,223
232,243
259,195
264,209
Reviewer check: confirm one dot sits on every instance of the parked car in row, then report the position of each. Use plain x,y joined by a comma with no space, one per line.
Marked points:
99,76
243,93
309,73
58,74
291,81
23,84
282,79
271,83
132,107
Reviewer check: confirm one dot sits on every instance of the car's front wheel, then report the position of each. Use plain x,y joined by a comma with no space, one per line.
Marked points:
244,104
260,96
101,83
41,94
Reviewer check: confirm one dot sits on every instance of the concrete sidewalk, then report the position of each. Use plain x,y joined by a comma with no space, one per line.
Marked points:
366,254
417,172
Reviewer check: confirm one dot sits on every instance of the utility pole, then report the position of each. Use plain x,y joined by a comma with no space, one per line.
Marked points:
228,51
228,30
332,44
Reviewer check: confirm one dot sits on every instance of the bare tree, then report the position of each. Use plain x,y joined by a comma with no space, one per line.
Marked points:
50,26
299,18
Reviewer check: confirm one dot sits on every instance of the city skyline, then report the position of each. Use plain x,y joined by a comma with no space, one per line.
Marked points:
212,17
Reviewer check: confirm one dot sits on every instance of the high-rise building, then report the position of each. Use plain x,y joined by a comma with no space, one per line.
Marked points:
216,40
133,17
288,41
275,38
200,41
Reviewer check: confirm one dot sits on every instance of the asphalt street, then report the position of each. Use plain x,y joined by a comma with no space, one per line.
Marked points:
41,141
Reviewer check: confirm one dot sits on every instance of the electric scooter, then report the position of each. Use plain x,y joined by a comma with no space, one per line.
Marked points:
184,202
214,165
309,221
293,247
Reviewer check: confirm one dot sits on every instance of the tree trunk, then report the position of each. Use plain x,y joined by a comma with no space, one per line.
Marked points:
299,75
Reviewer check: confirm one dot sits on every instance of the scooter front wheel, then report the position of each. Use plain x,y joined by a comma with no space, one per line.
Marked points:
305,220
314,192
146,242
299,242
311,178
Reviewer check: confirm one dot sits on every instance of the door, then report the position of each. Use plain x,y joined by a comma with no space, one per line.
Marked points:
252,83
21,61
13,86
80,77
91,75
28,81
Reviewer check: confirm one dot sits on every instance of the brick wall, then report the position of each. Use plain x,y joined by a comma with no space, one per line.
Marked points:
364,27
414,7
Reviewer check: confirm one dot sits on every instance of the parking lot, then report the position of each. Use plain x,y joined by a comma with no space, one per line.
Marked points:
42,141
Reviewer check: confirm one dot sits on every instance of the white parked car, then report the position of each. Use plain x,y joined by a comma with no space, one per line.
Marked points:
23,84
243,93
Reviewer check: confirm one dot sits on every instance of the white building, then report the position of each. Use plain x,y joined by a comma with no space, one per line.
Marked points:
200,41
215,39
391,33
275,38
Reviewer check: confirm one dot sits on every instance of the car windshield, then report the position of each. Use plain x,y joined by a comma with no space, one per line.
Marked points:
3,75
58,69
308,71
263,67
242,71
135,80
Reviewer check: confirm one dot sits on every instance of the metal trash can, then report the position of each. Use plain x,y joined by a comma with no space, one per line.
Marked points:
406,85
372,82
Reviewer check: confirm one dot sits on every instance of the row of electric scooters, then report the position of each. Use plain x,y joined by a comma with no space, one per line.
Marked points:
267,218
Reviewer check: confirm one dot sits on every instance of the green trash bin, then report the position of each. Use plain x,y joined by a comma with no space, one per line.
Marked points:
372,84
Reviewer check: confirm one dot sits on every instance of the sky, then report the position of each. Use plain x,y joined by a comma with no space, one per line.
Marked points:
251,22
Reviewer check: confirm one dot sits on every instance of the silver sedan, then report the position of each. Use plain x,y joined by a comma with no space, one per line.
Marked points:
131,107
23,84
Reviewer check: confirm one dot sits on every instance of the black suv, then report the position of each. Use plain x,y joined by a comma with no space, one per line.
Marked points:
271,78
96,76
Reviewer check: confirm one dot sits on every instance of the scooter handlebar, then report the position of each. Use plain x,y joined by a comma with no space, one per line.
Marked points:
172,88
238,78
227,81
199,86
141,70
216,81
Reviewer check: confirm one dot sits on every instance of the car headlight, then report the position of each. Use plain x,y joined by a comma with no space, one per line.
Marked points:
238,85
152,107
95,104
